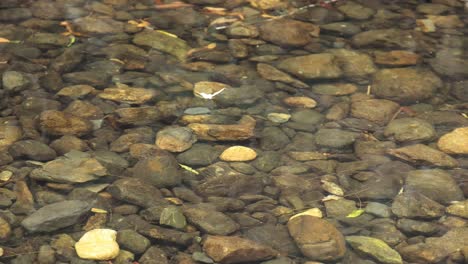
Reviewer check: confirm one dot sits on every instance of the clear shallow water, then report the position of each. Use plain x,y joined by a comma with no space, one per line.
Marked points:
192,127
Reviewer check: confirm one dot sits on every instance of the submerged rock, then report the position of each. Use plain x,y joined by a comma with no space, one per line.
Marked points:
235,249
374,248
98,244
316,238
55,216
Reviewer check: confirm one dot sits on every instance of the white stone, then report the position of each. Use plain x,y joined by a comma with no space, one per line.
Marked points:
98,244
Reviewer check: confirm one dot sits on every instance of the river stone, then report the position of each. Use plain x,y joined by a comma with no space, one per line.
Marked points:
133,241
288,32
422,153
316,238
385,38
341,28
222,180
379,111
375,248
416,227
14,81
98,25
449,63
175,139
314,66
210,221
411,204
300,101
436,249
59,123
73,167
355,65
154,255
335,138
98,244
128,95
242,96
355,11
273,138
136,192
32,149
5,230
55,216
459,209
396,58
9,135
238,153
275,236
405,85
161,170
14,14
233,249
460,90
173,216
455,142
271,73
268,4
334,89
243,130
435,184
410,129
163,42
48,39
199,155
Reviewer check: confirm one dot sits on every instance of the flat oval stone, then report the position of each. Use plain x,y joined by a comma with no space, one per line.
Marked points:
238,153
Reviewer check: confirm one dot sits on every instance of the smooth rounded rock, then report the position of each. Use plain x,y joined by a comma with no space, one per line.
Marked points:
238,153
98,244
175,139
455,142
316,238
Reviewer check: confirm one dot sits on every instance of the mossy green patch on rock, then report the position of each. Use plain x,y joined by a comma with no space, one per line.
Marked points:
374,248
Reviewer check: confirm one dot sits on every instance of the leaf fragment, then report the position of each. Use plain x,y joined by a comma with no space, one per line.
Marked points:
98,210
187,168
355,213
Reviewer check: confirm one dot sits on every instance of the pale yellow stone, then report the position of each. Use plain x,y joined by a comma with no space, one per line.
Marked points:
455,142
278,117
238,153
98,244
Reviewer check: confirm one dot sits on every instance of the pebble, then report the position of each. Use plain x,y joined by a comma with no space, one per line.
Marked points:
379,111
375,248
455,142
235,249
334,89
73,167
129,95
238,153
459,209
398,84
278,117
304,230
98,244
315,66
300,101
55,216
175,139
132,241
435,184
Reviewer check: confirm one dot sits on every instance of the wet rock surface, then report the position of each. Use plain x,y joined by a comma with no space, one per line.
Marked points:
213,131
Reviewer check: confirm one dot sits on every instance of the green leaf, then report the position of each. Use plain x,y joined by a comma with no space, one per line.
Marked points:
72,41
355,213
187,168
